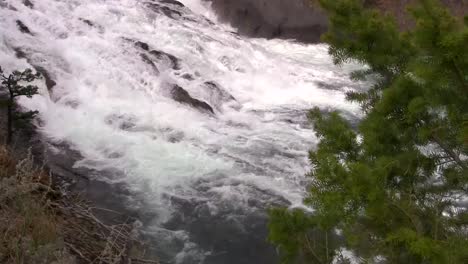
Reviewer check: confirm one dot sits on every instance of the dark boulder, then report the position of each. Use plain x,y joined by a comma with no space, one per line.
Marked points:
180,95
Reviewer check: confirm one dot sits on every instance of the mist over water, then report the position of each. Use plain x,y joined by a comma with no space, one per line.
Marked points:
205,178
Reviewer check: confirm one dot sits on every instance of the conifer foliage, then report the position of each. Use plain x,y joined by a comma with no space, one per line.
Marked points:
15,85
393,190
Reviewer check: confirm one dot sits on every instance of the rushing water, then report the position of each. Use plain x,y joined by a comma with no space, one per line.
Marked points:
204,179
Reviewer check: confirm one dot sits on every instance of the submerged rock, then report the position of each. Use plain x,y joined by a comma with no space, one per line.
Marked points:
170,59
4,4
172,2
180,95
92,24
142,45
218,96
218,93
216,225
148,61
188,77
165,10
23,28
153,56
50,83
28,3
122,122
88,22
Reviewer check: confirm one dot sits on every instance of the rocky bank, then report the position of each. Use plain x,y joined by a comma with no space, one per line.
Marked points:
302,20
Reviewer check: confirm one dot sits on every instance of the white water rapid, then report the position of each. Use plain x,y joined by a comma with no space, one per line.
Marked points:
205,158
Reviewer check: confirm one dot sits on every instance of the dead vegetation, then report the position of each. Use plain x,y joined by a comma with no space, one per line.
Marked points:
40,224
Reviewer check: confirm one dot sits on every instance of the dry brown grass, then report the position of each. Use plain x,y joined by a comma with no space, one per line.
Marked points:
28,227
7,163
39,224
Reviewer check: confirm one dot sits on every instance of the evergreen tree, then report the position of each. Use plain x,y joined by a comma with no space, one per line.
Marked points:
394,187
13,85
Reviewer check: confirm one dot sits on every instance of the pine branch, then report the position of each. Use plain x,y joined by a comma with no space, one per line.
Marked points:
454,156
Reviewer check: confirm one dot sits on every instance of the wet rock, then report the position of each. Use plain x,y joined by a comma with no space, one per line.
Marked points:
144,56
92,24
172,2
175,137
329,86
122,122
28,3
218,93
230,63
61,159
180,95
188,77
156,55
73,104
148,61
174,14
50,83
4,4
211,23
160,56
236,234
142,45
19,53
218,97
165,10
88,22
23,28
170,59
126,125
115,155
